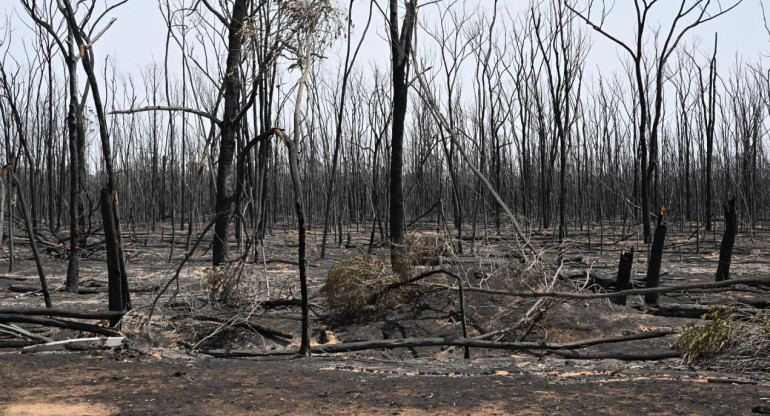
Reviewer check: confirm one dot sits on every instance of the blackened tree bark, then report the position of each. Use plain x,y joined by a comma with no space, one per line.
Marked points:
400,49
656,257
74,131
709,111
229,126
115,287
624,275
84,46
76,137
728,241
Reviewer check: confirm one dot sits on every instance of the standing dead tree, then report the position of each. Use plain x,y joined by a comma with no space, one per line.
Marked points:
689,15
43,16
317,24
85,46
400,51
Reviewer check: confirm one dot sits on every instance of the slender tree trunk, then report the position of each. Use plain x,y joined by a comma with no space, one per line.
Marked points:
656,257
728,241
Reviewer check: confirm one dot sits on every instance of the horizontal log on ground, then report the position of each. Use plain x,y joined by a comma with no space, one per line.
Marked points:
624,356
78,344
277,303
678,310
728,380
16,343
455,342
63,313
571,295
33,289
289,262
23,288
58,323
18,278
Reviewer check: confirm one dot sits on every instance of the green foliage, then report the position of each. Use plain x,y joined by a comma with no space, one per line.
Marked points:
709,339
353,283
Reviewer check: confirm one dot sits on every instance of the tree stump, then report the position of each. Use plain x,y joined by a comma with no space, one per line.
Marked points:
728,241
624,275
656,256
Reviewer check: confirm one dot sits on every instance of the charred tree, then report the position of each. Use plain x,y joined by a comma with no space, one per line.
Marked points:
400,49
728,241
624,275
229,127
656,256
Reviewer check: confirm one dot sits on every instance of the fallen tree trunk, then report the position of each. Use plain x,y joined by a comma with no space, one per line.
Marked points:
64,313
756,281
78,326
456,342
16,343
653,356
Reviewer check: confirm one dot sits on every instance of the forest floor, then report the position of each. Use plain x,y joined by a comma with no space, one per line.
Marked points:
166,366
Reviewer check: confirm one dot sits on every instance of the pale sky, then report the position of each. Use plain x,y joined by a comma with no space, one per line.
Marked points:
138,35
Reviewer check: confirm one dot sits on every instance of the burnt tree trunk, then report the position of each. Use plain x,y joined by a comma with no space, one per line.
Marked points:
223,204
73,264
33,245
624,275
656,257
728,241
114,279
400,45
87,60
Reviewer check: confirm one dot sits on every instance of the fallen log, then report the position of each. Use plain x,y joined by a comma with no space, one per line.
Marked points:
76,344
78,326
455,342
23,288
756,281
277,303
16,343
624,356
19,288
679,311
63,313
695,311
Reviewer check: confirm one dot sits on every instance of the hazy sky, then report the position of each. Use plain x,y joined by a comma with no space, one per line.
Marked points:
138,35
